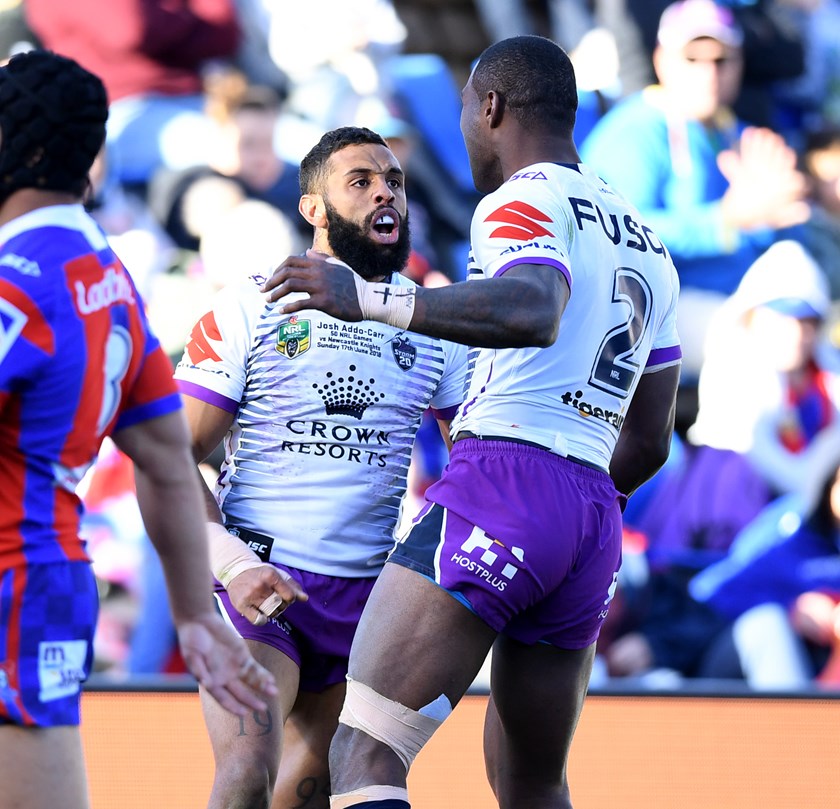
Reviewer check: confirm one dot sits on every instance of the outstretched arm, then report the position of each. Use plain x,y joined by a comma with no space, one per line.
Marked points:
520,308
170,501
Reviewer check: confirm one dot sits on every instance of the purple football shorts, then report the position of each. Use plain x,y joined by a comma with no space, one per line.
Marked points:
48,618
317,633
528,540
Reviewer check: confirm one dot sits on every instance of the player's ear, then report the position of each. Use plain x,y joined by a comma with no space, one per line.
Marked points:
494,108
313,210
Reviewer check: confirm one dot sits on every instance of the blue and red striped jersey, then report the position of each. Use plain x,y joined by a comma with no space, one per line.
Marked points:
77,362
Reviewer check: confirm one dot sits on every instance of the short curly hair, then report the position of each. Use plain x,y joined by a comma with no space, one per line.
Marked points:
313,167
52,123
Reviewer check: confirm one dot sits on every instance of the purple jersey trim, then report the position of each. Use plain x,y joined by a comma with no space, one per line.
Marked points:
208,396
558,265
446,414
663,356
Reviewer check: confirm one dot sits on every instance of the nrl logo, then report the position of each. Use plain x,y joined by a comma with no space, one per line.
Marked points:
293,337
405,354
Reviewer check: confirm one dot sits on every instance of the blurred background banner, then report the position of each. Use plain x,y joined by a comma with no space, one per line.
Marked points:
729,750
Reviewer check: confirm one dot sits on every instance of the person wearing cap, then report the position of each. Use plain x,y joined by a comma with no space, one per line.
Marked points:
718,192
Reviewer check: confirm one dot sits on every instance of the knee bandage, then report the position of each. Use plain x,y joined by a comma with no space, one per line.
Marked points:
403,729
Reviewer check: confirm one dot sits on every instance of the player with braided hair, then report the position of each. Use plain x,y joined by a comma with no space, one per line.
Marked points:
53,116
77,363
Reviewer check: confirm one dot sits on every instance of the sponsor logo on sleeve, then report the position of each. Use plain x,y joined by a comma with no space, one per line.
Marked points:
23,265
198,346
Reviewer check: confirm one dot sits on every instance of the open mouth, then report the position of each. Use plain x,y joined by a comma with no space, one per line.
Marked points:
385,228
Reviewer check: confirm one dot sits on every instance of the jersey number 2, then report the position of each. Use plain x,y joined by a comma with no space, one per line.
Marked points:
615,368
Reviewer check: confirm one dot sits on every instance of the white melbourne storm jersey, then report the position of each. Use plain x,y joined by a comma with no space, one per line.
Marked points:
620,321
326,414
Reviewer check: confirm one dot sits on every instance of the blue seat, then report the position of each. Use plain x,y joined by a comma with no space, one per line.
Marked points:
430,100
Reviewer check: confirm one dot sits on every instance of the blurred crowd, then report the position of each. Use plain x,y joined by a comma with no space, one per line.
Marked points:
719,121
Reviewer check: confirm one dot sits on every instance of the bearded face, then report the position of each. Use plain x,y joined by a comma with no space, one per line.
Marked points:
354,244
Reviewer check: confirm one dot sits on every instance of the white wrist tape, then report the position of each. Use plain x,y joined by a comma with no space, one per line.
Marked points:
385,303
229,555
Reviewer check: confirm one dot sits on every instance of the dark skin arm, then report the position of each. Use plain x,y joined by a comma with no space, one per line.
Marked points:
645,438
445,433
521,308
170,502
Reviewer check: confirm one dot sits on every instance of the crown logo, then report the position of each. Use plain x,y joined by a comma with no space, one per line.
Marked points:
347,395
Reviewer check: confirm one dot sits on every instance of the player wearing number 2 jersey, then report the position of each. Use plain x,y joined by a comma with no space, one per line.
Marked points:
570,310
573,395
77,363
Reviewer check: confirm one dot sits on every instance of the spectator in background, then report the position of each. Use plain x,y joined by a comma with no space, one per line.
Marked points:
768,411
16,36
716,192
152,56
247,237
768,391
779,586
702,499
633,25
568,20
254,57
773,52
773,49
338,76
242,163
821,233
811,101
571,24
131,227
